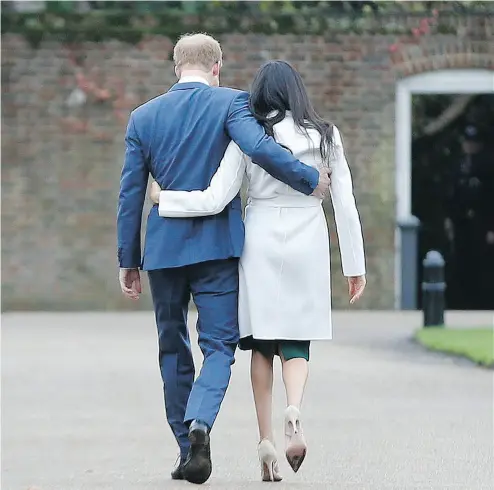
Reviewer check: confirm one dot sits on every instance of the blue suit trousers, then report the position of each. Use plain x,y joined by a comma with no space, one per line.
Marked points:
214,289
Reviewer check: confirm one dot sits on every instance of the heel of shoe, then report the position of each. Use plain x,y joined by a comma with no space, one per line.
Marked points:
198,437
269,461
296,448
292,421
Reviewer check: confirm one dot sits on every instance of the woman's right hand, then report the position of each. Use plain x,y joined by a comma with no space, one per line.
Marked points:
154,193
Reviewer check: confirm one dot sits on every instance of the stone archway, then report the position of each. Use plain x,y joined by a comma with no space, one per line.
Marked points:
442,81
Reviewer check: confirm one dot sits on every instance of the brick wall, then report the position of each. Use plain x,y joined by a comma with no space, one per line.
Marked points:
62,159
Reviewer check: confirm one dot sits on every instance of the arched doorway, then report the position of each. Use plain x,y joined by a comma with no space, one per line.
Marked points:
463,81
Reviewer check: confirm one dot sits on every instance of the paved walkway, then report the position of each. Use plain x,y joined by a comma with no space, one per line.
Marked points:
82,409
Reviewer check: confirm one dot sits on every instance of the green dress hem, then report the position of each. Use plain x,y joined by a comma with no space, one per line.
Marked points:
289,349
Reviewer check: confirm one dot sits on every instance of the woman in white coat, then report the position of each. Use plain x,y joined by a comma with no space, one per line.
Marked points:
284,289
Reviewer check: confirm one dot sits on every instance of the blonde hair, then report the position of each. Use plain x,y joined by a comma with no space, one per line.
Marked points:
197,50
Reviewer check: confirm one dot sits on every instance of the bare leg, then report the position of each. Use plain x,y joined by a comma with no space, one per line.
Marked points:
295,373
261,374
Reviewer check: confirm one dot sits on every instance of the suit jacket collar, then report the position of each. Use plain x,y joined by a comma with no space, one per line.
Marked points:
196,78
188,86
186,83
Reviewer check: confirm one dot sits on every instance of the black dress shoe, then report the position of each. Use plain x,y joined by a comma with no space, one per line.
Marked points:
197,467
178,472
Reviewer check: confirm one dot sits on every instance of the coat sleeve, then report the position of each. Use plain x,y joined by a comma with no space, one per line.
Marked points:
347,218
224,187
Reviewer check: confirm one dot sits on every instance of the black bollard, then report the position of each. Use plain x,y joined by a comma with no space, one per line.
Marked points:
433,288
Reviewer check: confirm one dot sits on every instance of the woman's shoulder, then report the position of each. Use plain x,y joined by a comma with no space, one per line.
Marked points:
336,136
289,130
288,125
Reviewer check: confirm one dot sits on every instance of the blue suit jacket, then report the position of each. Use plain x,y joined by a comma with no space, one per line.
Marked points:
180,138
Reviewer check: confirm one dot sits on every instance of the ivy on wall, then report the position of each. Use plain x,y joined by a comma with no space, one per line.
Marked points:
131,21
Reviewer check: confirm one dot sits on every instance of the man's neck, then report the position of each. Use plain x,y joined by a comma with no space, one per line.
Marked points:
194,76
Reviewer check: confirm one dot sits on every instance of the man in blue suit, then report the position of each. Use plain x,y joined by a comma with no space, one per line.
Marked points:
180,138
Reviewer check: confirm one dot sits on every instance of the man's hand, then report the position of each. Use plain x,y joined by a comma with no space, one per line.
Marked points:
154,193
489,238
356,286
323,185
130,283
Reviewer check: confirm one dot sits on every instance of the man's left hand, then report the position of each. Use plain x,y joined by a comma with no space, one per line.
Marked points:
130,283
323,185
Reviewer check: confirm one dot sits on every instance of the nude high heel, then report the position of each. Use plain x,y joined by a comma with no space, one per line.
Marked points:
296,447
269,461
